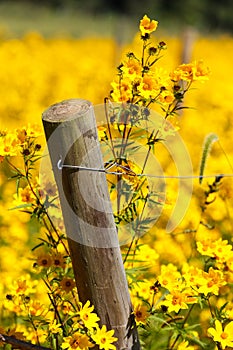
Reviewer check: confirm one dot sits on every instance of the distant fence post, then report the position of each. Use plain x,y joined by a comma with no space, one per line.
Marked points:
71,134
189,37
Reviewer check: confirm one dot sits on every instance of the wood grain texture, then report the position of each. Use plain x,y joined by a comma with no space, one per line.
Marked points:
71,134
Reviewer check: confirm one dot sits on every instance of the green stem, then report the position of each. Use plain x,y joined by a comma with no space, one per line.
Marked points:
129,249
175,341
183,324
15,168
109,128
53,302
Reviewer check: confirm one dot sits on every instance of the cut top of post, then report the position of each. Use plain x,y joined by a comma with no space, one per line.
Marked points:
66,110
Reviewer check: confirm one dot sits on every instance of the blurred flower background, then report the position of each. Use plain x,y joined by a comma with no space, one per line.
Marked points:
69,49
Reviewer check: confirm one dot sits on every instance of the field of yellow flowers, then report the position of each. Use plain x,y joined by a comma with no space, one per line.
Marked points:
188,269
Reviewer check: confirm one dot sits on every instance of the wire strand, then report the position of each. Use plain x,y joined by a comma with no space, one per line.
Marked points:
131,173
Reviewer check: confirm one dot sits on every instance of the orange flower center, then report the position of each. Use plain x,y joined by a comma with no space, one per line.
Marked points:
26,197
75,343
210,284
85,317
22,286
224,335
103,340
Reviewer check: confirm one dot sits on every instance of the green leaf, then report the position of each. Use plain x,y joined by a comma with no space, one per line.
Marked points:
21,206
197,341
37,246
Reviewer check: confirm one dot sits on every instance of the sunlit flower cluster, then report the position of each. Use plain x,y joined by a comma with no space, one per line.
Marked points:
191,72
141,82
19,141
180,283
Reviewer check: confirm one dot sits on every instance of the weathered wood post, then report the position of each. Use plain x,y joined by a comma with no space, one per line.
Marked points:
189,37
71,134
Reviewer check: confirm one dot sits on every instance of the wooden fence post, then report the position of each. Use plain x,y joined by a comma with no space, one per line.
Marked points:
189,37
71,134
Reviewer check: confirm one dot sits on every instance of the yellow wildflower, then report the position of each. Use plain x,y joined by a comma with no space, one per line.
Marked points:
148,254
23,197
14,303
88,317
44,259
104,338
222,336
191,274
169,277
36,308
77,341
67,308
8,145
211,282
147,25
29,131
206,247
143,290
23,286
35,335
34,130
200,71
132,67
141,313
166,97
102,133
55,327
148,88
21,135
122,91
67,284
184,345
191,72
175,301
220,249
58,260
